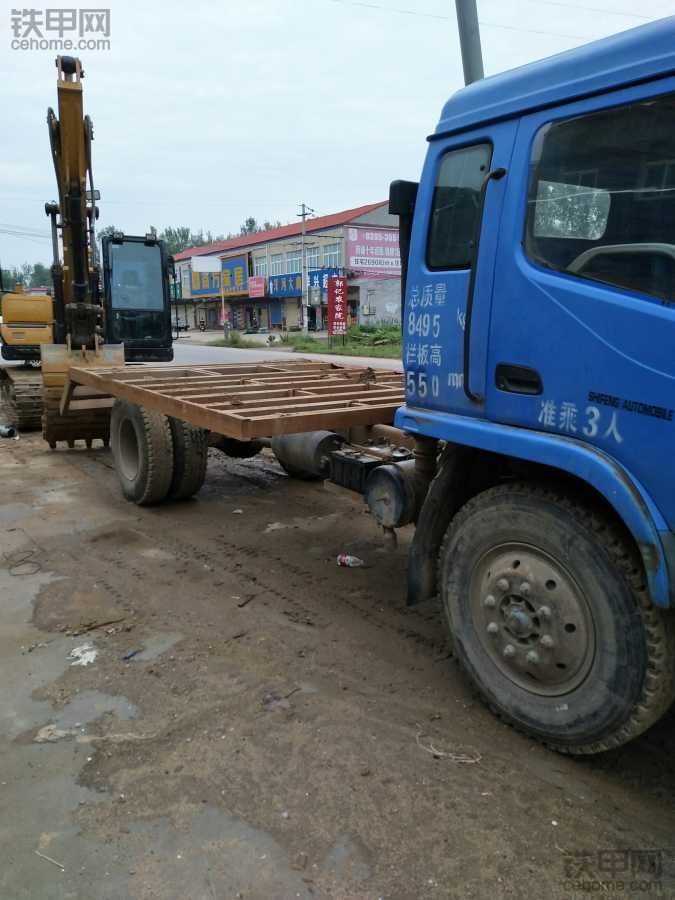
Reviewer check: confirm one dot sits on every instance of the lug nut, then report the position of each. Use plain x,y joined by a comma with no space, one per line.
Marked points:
546,641
493,628
503,584
525,589
509,651
545,612
533,657
490,601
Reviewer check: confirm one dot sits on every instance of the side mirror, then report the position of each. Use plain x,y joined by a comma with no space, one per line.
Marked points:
402,199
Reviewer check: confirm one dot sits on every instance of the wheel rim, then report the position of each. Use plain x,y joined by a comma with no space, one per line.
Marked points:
129,456
532,619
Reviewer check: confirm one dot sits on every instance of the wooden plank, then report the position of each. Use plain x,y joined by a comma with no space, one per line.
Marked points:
260,401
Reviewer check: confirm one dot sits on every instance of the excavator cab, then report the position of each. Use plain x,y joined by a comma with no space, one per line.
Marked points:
136,297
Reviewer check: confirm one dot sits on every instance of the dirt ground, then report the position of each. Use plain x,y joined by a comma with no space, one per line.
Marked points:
255,722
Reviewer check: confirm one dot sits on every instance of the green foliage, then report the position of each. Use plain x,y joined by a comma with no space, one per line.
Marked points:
41,276
28,275
383,341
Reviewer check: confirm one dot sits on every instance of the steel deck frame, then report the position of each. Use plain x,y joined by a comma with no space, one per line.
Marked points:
246,400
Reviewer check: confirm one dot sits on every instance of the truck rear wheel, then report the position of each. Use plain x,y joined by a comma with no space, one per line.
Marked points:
550,617
190,452
142,450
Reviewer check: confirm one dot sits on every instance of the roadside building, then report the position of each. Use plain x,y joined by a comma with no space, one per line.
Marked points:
258,283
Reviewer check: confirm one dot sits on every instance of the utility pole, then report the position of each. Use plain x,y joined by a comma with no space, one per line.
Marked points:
305,211
469,40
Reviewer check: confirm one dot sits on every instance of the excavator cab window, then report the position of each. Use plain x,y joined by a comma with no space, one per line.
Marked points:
136,296
136,277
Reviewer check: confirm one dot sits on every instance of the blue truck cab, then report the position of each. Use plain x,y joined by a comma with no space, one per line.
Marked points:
539,347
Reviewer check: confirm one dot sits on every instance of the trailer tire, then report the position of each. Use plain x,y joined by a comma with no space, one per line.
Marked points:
190,452
142,450
550,617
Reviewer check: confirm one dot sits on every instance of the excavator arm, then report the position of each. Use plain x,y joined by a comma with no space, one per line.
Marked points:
78,312
77,308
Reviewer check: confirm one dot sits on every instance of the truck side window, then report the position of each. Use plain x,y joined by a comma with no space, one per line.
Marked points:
601,201
456,207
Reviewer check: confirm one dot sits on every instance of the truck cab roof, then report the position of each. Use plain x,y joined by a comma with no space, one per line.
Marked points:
609,64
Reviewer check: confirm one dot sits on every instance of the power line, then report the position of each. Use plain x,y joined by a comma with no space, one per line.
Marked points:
597,9
439,17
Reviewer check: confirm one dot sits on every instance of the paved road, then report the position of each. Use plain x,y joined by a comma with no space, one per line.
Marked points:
187,353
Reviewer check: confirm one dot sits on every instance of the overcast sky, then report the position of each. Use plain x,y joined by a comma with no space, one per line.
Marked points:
205,113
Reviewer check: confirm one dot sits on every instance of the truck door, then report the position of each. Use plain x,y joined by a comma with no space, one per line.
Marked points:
453,246
583,323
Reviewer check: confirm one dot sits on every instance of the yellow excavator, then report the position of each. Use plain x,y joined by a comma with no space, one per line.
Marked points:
26,323
74,325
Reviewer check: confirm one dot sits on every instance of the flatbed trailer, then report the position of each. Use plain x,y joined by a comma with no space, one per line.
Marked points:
249,400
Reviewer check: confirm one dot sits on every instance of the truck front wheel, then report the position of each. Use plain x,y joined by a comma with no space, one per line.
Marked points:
550,617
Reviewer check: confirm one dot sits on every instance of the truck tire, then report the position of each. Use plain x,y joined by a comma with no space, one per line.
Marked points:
190,452
551,619
142,450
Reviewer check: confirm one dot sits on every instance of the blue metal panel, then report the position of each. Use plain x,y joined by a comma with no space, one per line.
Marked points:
600,350
627,58
275,312
435,308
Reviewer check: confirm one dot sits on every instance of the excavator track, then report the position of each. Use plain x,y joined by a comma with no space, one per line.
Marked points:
21,397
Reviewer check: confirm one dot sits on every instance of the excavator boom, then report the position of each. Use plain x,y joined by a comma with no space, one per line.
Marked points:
78,308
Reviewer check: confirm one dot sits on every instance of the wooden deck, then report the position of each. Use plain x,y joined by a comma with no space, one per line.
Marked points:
248,400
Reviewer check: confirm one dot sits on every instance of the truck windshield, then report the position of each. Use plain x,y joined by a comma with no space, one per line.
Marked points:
136,276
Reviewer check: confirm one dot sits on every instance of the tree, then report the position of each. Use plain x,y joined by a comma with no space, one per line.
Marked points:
41,276
108,231
178,238
250,226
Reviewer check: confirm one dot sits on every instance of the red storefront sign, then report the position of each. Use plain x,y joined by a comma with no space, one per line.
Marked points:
337,305
256,286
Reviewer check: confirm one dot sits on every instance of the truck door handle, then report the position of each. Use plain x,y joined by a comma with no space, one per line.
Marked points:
518,379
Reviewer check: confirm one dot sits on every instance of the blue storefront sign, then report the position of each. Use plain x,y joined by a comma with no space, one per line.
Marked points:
285,285
234,275
318,278
291,285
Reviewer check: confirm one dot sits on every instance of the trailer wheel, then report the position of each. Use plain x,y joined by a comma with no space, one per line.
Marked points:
142,450
190,452
550,617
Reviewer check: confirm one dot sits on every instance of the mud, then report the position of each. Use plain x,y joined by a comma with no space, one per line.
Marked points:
260,723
